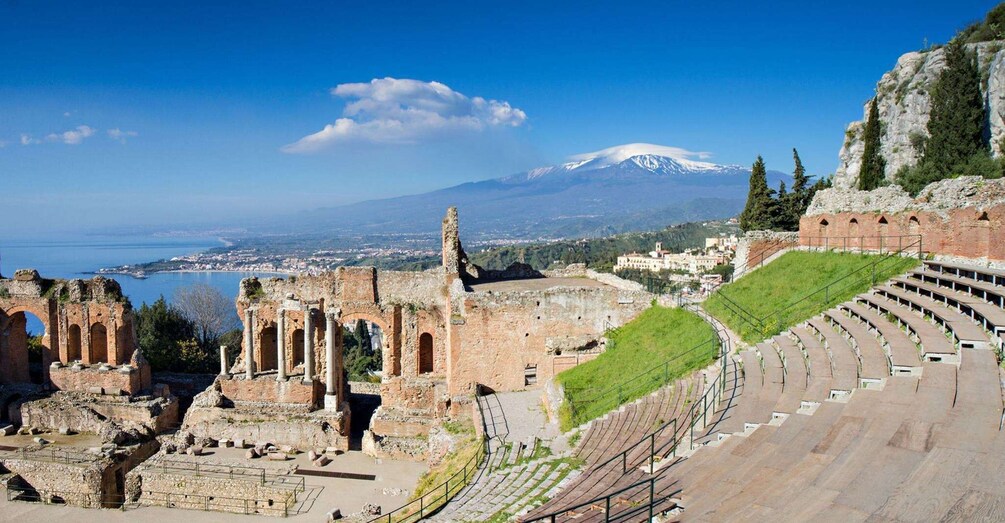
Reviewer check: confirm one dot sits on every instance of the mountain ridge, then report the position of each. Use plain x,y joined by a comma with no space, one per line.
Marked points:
623,188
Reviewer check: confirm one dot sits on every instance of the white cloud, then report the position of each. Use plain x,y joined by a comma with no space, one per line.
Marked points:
26,139
120,135
403,111
72,137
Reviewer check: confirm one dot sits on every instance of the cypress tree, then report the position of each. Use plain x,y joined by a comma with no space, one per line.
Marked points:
872,173
757,214
799,199
956,121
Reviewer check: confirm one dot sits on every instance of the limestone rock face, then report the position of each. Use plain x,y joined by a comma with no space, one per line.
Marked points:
904,105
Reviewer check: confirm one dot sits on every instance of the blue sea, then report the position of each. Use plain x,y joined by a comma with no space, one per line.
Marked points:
78,257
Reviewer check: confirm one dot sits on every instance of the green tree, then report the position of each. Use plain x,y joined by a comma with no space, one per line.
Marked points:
363,337
760,208
161,329
956,121
780,216
873,170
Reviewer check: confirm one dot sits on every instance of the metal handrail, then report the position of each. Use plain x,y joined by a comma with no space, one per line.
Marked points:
760,323
443,492
606,501
620,387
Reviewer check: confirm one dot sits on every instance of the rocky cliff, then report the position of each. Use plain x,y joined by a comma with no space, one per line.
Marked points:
903,103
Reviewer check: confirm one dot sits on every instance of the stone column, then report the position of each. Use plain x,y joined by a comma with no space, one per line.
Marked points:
249,343
330,327
224,371
308,345
281,344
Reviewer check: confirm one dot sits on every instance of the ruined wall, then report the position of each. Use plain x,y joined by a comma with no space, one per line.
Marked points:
268,390
500,334
73,484
84,320
213,492
758,247
110,380
960,217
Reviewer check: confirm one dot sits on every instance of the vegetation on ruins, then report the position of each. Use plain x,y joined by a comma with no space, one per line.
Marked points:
170,340
991,28
784,283
956,143
767,209
660,345
450,471
873,171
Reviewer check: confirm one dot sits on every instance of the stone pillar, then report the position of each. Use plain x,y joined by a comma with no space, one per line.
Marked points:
330,327
281,344
249,344
224,370
308,345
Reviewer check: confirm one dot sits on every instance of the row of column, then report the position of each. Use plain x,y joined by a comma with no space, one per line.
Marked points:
249,340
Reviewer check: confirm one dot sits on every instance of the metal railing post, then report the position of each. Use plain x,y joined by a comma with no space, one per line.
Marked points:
652,497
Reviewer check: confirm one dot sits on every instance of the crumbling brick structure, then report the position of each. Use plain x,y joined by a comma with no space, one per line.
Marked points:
962,218
88,322
443,332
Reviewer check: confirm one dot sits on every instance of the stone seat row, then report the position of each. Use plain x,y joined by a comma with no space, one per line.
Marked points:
877,453
628,428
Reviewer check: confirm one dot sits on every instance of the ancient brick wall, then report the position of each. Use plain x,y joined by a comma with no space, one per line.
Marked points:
82,380
966,232
500,335
960,217
268,390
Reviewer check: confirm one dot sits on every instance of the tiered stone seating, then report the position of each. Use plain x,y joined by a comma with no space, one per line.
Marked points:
924,447
936,346
671,402
903,352
966,333
804,433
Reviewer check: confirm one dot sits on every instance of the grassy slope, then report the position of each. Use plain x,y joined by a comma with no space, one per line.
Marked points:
770,289
657,335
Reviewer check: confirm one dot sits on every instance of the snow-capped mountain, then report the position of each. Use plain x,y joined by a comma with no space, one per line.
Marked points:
629,187
657,159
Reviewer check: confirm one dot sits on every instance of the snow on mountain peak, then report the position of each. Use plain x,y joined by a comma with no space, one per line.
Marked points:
620,153
658,159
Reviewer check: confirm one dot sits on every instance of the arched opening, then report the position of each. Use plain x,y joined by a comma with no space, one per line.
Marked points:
426,353
853,227
363,350
883,225
23,346
913,225
267,343
98,349
983,234
298,348
73,352
362,361
823,227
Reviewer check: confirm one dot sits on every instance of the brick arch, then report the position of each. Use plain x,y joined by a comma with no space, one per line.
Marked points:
14,366
386,320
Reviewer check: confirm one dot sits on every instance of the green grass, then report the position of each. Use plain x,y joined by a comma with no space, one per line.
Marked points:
656,347
769,293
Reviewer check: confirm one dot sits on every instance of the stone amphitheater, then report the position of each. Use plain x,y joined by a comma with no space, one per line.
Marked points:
886,407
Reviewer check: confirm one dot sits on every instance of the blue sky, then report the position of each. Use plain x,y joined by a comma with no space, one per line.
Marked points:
173,113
